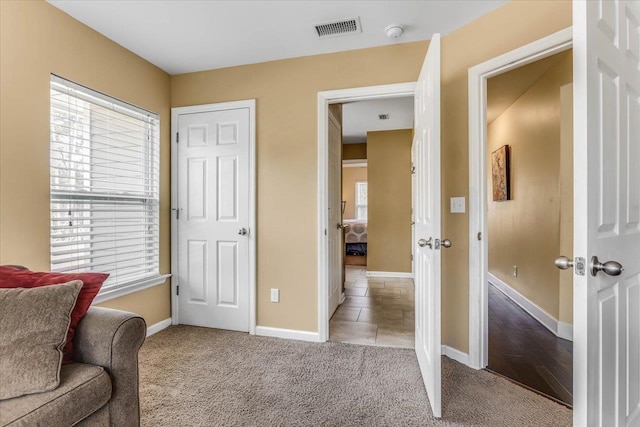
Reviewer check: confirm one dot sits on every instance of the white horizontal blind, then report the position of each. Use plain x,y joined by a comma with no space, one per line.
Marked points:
361,200
104,160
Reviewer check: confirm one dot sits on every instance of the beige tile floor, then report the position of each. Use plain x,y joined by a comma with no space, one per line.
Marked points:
376,311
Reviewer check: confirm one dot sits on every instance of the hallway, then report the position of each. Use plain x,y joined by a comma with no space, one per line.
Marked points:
377,311
522,349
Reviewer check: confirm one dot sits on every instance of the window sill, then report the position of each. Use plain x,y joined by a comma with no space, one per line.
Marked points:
119,291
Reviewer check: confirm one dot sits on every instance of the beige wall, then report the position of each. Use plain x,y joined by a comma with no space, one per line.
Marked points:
286,93
354,151
349,177
525,231
508,27
286,113
389,200
36,39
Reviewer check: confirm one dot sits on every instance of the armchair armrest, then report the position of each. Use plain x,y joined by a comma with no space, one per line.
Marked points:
111,339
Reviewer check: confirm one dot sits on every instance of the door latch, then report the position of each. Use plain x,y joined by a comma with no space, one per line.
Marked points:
578,264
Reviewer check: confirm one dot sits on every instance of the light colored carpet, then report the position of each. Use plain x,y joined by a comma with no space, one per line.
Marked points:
206,377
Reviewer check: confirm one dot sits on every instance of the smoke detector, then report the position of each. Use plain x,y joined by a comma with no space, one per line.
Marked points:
342,27
394,31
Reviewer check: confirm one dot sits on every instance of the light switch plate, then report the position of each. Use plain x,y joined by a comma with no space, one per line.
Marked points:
457,205
275,295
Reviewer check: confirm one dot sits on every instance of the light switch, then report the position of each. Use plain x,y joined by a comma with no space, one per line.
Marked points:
457,205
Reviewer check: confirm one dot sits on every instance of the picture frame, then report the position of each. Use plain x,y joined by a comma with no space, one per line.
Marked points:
501,174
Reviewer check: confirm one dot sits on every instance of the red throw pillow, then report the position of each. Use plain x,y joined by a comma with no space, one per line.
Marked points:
10,277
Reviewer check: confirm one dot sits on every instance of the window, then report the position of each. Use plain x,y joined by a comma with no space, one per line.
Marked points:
361,200
104,165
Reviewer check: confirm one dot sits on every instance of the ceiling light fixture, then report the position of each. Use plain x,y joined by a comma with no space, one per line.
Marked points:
394,31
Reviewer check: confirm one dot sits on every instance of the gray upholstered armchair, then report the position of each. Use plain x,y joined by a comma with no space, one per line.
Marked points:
101,389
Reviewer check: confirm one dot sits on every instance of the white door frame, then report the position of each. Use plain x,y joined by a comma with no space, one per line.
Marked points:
478,249
175,112
324,99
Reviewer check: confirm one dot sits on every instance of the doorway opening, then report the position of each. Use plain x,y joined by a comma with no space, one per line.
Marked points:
332,250
521,216
374,225
530,222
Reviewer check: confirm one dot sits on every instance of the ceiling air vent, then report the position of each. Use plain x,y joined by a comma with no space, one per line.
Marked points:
383,116
338,28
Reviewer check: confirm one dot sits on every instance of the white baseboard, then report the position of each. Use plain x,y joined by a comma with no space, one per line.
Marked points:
290,334
455,354
548,321
565,330
398,274
157,327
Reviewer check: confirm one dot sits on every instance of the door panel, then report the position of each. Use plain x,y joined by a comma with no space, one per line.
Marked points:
197,189
607,196
227,188
227,278
213,200
426,151
197,270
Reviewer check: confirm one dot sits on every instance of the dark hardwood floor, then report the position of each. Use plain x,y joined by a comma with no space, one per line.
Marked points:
523,350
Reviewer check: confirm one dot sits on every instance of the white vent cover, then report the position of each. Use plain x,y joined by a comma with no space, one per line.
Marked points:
339,28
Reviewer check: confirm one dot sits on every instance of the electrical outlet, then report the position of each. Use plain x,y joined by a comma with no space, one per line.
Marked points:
457,204
275,295
515,271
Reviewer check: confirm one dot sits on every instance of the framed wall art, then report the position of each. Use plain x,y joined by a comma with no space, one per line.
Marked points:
500,174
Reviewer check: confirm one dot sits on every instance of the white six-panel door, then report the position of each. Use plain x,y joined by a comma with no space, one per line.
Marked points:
426,211
607,212
213,225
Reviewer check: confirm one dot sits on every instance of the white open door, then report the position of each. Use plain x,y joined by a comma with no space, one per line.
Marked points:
607,213
334,233
426,212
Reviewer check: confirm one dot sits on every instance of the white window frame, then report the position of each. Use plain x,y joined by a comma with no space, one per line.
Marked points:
360,205
149,202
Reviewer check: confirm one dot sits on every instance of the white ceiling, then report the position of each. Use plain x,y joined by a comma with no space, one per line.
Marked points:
362,116
186,36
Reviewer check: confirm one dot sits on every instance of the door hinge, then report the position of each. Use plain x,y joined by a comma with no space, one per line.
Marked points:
178,290
413,169
479,235
411,257
177,212
177,137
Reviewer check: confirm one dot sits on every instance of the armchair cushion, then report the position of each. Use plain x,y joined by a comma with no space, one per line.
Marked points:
33,328
82,391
